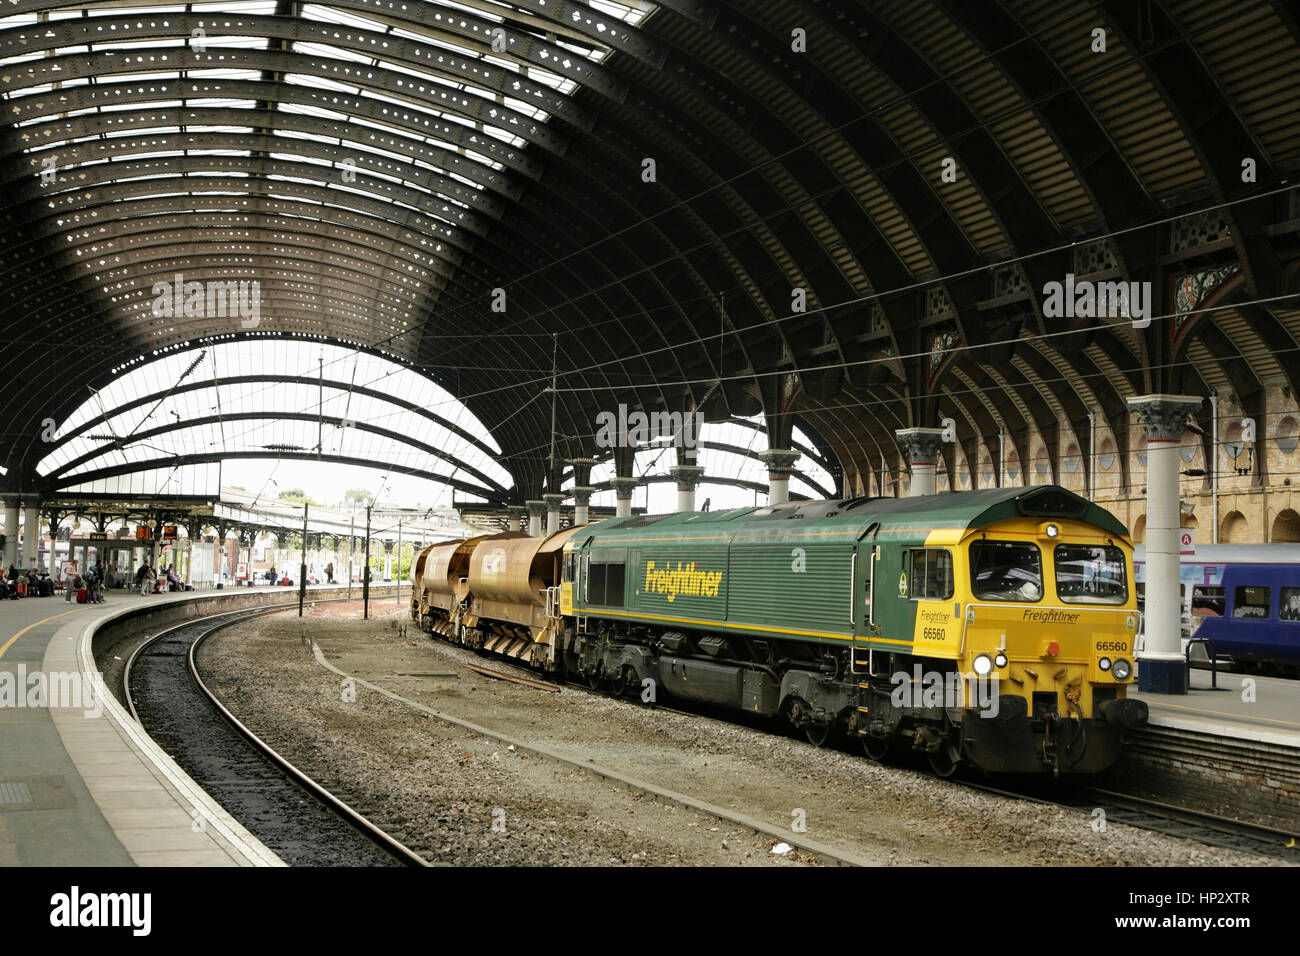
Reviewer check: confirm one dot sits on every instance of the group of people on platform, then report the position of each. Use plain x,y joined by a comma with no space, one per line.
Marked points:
86,587
150,581
30,583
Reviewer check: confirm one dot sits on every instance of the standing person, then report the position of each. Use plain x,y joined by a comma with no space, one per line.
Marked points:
329,573
144,577
71,580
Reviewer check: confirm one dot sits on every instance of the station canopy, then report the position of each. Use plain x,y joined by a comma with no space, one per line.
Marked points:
443,237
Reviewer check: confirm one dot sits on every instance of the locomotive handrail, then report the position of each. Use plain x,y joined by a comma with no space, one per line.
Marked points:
552,597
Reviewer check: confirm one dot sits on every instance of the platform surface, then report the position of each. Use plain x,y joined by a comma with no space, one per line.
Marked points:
80,783
1249,707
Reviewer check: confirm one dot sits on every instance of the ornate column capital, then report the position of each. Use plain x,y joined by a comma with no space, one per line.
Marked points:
920,445
1164,417
582,495
779,461
687,476
536,507
582,469
623,487
553,501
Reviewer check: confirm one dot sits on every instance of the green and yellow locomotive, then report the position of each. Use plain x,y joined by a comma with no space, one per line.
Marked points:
993,628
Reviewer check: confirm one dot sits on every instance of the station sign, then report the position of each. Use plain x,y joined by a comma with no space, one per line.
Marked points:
142,533
169,532
1186,541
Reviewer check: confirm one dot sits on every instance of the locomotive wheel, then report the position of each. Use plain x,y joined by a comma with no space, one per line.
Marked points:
877,748
944,761
817,734
620,683
594,677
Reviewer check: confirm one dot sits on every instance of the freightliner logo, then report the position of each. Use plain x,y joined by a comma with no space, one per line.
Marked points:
683,579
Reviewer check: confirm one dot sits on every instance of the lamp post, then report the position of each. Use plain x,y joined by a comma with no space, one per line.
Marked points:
365,570
302,568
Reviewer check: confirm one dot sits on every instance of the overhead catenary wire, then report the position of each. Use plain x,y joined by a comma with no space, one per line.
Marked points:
746,376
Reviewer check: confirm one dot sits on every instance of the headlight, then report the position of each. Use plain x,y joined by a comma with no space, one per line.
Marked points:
1000,660
1053,531
983,665
1104,663
1123,669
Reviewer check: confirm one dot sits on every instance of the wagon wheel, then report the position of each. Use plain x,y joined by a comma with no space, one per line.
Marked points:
944,761
877,748
817,734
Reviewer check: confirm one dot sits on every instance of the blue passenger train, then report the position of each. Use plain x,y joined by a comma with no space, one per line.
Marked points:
1244,597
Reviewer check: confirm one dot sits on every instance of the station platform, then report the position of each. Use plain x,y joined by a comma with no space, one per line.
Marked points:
81,784
1266,710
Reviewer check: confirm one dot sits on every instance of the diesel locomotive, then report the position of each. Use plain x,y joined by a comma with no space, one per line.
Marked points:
992,628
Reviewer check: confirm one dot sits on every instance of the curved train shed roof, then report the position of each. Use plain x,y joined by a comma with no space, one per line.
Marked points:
843,214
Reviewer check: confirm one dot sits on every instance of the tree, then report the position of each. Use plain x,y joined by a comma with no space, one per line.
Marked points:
357,496
298,495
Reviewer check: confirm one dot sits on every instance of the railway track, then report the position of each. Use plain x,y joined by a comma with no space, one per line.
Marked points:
780,833
1207,828
1167,819
301,821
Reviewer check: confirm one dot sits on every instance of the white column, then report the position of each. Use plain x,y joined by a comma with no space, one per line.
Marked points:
780,463
535,509
687,477
921,446
516,517
11,533
581,500
553,503
32,535
623,488
1162,668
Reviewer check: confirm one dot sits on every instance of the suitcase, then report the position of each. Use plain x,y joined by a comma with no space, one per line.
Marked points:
81,595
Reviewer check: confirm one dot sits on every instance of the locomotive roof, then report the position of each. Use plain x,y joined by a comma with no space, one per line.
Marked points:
852,516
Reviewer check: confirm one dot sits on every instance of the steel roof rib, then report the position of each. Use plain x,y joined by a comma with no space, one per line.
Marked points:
478,169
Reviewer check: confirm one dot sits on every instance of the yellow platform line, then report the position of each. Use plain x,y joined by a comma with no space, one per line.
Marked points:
4,647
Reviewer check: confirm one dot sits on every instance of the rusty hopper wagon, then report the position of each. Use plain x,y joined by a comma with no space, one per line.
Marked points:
444,584
513,603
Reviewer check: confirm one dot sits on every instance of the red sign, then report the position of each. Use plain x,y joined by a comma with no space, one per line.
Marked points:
1187,541
142,533
169,531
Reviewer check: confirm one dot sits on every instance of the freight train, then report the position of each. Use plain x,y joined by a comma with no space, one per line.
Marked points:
991,628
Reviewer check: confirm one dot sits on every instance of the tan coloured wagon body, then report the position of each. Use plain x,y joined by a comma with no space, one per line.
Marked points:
509,579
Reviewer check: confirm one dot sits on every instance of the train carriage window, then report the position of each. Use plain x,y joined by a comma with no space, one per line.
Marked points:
1288,605
1006,571
931,575
1209,601
1090,574
615,578
605,583
596,583
1251,603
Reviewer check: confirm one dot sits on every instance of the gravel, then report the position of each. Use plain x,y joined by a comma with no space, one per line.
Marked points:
461,798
